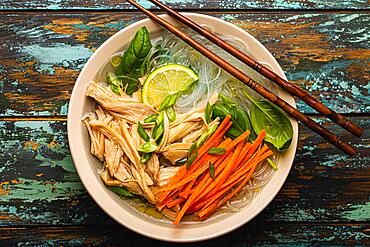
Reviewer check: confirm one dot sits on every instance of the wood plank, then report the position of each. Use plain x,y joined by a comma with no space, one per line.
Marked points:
39,184
42,53
252,234
187,4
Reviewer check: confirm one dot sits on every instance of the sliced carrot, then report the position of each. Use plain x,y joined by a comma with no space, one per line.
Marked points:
175,202
205,213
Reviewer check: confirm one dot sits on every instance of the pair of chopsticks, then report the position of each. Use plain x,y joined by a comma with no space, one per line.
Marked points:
291,88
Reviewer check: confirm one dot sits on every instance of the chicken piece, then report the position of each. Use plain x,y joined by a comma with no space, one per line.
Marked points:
128,108
140,177
152,167
132,186
117,138
193,136
183,129
138,141
165,173
196,114
96,138
123,172
112,156
176,151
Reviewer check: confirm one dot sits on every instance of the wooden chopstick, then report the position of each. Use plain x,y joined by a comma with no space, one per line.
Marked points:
329,136
263,70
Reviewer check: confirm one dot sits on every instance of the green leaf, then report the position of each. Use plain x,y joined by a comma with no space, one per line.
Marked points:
217,151
181,161
147,147
142,133
227,100
132,86
145,157
121,191
158,131
171,114
192,155
133,59
266,116
239,118
151,118
211,170
114,82
169,101
272,164
208,113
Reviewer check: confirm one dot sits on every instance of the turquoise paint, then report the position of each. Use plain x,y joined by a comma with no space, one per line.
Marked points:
359,212
64,109
29,190
47,57
35,125
348,18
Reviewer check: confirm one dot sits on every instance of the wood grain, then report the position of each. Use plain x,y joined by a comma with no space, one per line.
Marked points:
187,4
252,234
39,184
42,53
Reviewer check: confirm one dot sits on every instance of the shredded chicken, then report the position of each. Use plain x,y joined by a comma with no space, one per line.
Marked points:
153,167
176,151
113,130
128,108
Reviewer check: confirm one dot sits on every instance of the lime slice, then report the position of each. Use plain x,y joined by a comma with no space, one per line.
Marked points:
168,79
115,61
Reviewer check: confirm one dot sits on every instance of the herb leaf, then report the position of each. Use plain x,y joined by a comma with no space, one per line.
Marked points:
192,155
142,133
208,113
211,170
145,157
169,101
239,117
171,114
217,151
147,147
133,59
114,82
121,191
272,164
151,118
267,116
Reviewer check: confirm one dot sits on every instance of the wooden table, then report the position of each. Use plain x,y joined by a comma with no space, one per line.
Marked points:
322,45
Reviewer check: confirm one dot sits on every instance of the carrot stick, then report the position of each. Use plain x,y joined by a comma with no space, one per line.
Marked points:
205,213
175,202
221,129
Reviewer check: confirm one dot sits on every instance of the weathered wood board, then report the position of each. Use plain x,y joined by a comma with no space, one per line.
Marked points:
39,185
252,234
41,54
186,4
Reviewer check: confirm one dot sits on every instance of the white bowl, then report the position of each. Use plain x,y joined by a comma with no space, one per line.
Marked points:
87,165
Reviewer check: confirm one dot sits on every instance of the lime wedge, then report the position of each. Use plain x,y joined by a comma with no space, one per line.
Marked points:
115,61
166,80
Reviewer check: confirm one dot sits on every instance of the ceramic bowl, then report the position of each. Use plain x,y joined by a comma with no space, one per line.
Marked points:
88,166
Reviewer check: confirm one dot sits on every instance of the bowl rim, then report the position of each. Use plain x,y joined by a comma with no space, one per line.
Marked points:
72,131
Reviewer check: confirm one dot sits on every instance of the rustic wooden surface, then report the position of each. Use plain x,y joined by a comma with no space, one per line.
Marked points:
187,4
327,54
322,45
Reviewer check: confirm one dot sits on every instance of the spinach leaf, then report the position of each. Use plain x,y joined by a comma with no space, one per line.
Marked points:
133,59
121,191
267,116
239,117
